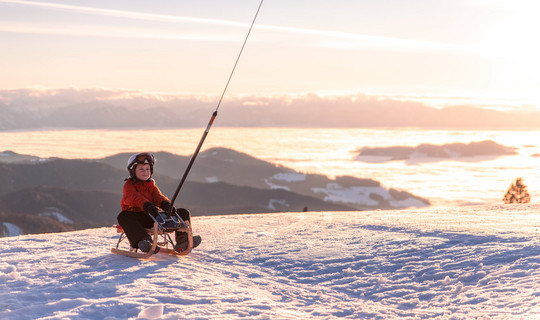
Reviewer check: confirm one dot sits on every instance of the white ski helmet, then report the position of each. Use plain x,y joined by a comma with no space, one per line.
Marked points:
140,158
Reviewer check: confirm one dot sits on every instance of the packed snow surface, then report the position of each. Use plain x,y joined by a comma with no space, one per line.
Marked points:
437,263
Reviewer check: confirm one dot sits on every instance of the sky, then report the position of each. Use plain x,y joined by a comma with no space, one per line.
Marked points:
440,52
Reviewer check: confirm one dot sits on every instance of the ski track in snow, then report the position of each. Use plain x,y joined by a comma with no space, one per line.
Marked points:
445,263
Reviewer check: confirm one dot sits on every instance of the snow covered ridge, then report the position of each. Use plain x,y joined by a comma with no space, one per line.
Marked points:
362,194
224,182
437,263
272,188
8,156
366,196
10,230
343,190
56,214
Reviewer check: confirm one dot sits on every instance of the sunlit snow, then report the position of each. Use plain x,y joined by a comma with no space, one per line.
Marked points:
54,213
211,179
435,263
289,176
10,229
336,193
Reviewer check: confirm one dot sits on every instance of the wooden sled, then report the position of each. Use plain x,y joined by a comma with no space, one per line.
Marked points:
160,237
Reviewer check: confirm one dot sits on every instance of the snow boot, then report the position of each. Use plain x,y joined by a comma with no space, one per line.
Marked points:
182,242
196,241
146,244
184,214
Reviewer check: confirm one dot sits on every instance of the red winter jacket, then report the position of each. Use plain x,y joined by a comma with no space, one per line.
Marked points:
137,192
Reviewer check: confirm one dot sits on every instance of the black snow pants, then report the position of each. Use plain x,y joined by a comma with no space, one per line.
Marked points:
135,223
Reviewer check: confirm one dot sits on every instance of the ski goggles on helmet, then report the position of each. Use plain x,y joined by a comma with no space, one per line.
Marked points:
141,158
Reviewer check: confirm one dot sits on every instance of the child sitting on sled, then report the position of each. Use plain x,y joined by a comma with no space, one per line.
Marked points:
142,198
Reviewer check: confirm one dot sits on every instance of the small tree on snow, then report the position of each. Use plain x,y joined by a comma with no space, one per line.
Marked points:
517,193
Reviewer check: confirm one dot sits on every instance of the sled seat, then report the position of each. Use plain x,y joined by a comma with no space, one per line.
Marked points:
160,219
150,231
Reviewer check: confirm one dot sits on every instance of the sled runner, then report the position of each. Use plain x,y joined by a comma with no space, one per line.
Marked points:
161,236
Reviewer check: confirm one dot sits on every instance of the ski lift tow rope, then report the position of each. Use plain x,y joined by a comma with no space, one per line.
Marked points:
214,114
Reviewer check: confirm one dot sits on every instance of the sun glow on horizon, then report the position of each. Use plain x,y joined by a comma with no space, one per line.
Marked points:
513,42
472,51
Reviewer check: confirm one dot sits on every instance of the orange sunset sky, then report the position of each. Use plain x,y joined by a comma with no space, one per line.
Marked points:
440,52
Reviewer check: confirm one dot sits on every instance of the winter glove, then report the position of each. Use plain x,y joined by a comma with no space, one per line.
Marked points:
166,205
150,208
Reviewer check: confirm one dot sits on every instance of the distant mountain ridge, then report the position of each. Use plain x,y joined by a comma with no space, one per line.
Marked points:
97,108
237,168
223,181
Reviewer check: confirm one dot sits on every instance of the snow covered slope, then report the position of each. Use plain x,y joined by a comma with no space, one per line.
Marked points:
452,263
9,230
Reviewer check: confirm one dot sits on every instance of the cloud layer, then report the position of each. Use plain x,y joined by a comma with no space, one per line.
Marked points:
98,108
